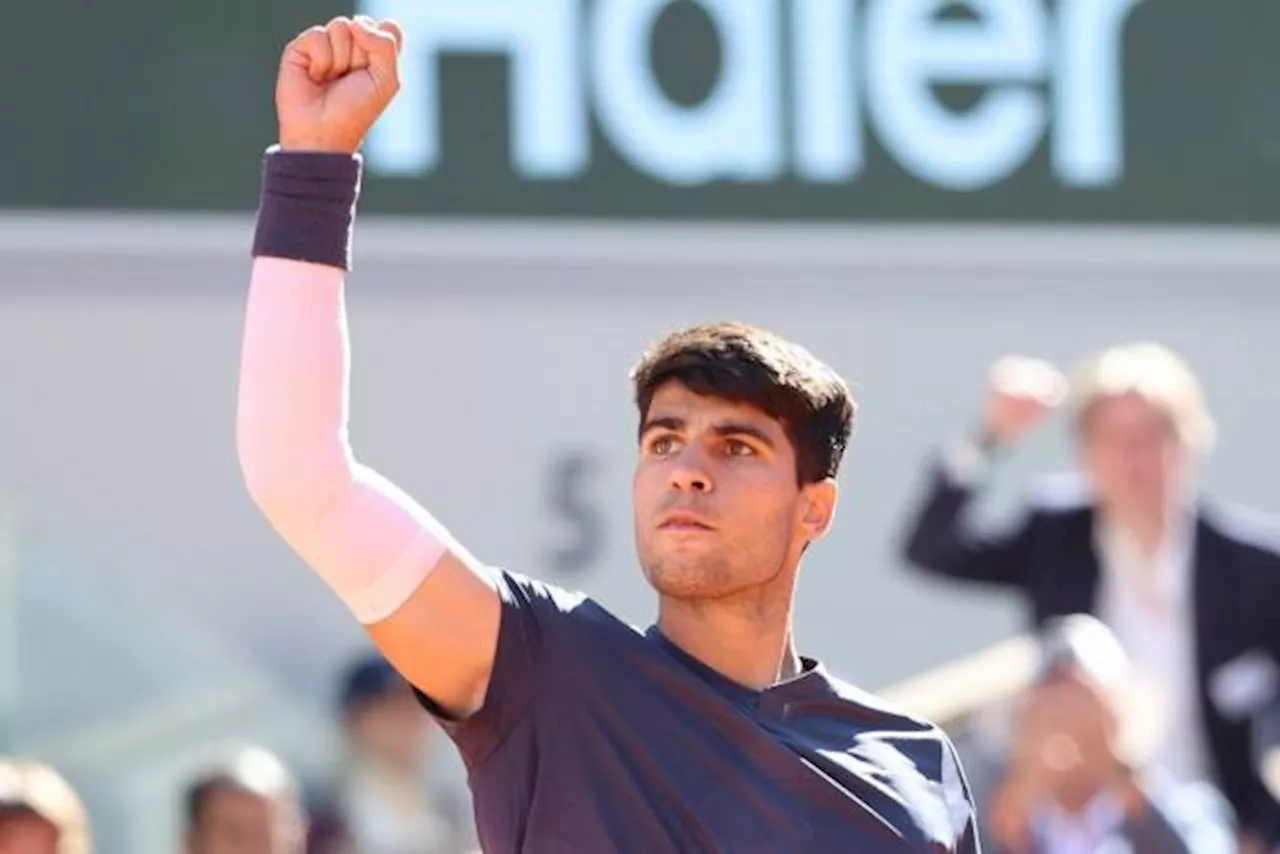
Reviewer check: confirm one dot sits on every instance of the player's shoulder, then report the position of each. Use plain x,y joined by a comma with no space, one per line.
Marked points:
520,590
885,716
557,611
887,719
905,744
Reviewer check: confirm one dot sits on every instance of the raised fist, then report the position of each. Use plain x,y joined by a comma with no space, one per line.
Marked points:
335,81
1021,392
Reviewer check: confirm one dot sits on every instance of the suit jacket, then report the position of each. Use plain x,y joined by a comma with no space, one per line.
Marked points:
1049,557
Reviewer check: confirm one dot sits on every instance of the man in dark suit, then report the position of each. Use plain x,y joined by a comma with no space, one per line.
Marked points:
1192,591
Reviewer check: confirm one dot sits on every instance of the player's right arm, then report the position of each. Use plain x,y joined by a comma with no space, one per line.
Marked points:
431,607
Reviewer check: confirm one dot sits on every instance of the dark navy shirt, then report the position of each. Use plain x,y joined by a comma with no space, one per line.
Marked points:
596,738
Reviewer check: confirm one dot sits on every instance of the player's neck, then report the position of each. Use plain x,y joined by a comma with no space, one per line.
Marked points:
748,643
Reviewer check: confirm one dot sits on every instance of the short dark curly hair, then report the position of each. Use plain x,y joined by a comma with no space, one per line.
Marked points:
745,364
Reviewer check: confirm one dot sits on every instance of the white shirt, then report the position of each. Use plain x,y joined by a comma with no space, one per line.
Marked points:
1149,605
1095,830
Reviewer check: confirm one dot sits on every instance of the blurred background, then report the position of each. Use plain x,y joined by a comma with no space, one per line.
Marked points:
912,188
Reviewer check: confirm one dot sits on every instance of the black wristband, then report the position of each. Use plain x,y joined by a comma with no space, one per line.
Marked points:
307,206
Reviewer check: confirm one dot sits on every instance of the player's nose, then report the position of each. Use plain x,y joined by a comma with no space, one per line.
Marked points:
690,472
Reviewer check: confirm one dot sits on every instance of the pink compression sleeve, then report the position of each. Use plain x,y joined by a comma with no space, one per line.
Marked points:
366,538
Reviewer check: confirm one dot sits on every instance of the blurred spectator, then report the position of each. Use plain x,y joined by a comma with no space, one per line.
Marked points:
1190,589
39,811
1073,782
383,802
246,805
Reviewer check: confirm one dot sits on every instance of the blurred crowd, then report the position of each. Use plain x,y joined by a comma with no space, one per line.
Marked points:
382,800
1156,610
1142,725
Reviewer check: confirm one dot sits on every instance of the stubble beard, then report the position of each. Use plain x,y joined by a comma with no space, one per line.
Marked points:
711,576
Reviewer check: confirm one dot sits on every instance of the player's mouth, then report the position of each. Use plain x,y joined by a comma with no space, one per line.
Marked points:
684,521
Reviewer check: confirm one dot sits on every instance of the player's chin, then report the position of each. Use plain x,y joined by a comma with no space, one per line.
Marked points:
686,577
681,586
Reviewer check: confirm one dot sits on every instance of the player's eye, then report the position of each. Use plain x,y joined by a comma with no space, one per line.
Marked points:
662,445
738,448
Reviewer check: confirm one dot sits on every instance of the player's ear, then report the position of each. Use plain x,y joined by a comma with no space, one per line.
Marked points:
819,507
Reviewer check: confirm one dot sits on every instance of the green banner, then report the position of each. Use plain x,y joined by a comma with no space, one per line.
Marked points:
1075,110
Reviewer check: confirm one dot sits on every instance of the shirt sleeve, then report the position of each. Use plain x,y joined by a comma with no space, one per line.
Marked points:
538,622
369,540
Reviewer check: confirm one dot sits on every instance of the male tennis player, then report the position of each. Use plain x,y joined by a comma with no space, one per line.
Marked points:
706,733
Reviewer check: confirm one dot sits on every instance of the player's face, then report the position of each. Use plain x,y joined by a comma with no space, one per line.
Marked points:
237,822
1132,455
28,834
717,506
